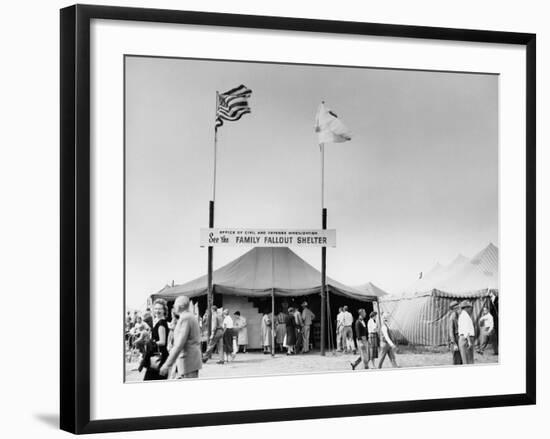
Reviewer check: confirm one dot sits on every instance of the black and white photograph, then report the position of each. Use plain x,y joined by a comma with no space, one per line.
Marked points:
262,219
286,219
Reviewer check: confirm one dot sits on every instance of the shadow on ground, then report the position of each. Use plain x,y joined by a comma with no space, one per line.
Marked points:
49,419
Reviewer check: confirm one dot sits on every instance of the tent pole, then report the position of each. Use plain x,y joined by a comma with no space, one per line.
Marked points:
272,302
378,311
329,324
323,286
210,296
272,322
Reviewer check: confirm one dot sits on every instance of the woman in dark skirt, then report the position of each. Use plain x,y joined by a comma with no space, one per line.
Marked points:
290,338
228,324
156,351
374,339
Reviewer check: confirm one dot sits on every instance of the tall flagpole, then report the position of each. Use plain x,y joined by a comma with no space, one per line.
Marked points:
215,149
210,293
322,146
272,301
323,253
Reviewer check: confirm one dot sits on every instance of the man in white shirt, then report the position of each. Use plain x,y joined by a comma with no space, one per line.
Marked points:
307,319
374,337
229,344
486,327
339,329
347,332
466,333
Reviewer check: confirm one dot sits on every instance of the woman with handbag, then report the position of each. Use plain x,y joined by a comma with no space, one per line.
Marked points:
156,351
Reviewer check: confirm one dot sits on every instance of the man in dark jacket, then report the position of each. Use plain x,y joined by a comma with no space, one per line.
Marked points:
216,337
453,332
361,334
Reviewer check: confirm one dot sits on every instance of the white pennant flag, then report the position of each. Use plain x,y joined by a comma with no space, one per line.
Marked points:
329,127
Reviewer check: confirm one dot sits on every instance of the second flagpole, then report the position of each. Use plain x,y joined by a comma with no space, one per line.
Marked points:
323,253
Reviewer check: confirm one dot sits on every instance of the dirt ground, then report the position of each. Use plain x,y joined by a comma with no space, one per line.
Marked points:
255,363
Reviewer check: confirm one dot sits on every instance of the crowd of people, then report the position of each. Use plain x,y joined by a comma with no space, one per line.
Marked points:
167,349
462,333
289,331
162,345
177,347
372,340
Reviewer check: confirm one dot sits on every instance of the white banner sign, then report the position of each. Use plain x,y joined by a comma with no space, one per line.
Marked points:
268,237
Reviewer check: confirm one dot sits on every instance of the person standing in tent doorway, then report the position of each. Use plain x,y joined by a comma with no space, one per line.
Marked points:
290,332
347,332
280,330
187,338
361,333
374,339
228,351
298,329
453,332
307,318
242,332
216,337
466,333
486,326
266,333
339,328
387,346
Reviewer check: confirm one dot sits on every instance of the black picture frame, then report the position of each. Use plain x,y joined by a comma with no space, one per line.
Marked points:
75,217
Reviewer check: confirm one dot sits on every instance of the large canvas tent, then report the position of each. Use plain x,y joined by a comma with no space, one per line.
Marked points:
267,279
261,272
370,289
420,316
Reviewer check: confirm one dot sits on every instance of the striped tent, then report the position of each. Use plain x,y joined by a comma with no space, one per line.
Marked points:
422,317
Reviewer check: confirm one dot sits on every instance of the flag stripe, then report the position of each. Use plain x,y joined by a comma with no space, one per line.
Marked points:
231,115
225,111
232,105
240,89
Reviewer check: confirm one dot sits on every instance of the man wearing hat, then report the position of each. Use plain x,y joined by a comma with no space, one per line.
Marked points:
453,332
466,333
307,319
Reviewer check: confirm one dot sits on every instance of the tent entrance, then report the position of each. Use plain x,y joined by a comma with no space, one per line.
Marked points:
263,304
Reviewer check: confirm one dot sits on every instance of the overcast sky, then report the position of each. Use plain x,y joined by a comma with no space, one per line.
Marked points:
416,185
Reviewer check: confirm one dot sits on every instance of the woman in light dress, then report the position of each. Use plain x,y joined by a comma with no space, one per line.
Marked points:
266,332
242,331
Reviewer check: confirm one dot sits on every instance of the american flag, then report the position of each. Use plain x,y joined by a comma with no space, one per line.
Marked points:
232,104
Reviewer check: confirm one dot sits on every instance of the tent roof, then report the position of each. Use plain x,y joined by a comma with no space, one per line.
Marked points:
372,290
260,270
463,275
478,273
462,295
